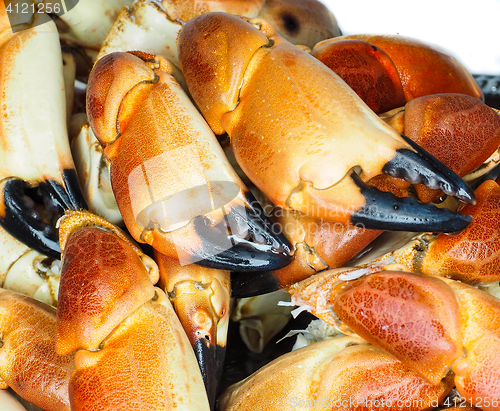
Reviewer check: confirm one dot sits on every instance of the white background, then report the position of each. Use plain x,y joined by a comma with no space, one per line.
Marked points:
468,29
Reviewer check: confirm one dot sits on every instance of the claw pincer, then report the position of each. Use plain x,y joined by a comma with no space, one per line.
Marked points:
35,159
316,143
173,184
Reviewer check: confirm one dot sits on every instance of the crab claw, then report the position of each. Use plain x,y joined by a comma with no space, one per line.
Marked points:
200,297
35,158
122,329
172,182
288,115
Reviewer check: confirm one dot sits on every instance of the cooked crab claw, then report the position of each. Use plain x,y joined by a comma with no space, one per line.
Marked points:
35,161
313,130
201,298
403,214
173,184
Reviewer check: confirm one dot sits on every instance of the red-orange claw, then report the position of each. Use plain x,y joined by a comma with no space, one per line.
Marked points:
144,364
477,376
116,281
472,256
319,244
459,130
29,363
105,93
414,317
423,69
367,69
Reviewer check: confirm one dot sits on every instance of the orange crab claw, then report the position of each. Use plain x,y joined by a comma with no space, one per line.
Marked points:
414,317
201,298
423,69
173,184
473,256
342,374
477,376
431,324
310,121
29,363
119,324
367,69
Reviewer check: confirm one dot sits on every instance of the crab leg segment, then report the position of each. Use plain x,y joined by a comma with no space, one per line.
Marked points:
430,324
119,324
35,158
338,374
290,116
29,363
173,184
201,298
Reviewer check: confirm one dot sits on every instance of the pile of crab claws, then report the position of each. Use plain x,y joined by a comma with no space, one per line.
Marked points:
201,298
317,183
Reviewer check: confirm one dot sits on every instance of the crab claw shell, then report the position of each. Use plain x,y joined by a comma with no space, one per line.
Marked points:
414,317
457,129
129,327
472,256
341,373
159,167
367,69
303,22
150,343
29,363
201,298
308,127
35,150
423,69
116,287
477,376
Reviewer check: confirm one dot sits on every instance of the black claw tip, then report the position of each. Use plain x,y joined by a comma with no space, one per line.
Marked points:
385,211
246,241
211,360
419,167
22,221
245,285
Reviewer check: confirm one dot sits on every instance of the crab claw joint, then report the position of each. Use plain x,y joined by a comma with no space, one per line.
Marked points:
290,116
